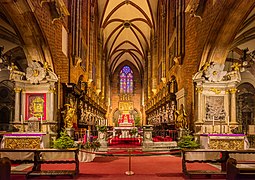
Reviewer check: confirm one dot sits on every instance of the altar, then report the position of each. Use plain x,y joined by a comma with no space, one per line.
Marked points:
125,120
25,141
224,141
123,132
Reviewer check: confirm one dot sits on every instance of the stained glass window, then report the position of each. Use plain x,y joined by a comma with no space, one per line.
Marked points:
126,80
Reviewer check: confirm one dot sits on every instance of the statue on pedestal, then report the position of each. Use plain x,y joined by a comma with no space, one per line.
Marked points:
181,120
70,110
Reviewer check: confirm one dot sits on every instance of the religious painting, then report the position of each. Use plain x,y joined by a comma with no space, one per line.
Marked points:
215,108
36,105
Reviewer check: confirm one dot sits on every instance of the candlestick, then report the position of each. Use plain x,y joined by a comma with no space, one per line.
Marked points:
228,125
85,138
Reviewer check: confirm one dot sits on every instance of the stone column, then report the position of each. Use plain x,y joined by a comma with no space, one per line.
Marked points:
23,103
103,78
233,106
149,75
17,105
51,105
99,68
163,15
199,107
91,43
154,66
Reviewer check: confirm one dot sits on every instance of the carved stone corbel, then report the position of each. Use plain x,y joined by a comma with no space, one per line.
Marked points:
58,9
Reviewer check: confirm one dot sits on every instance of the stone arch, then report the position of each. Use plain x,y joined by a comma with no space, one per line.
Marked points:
33,41
6,102
222,34
245,106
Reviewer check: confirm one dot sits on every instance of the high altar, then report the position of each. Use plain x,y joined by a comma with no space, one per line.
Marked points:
35,107
126,123
216,107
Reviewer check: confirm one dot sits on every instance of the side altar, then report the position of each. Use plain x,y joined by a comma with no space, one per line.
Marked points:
25,141
35,102
224,141
216,114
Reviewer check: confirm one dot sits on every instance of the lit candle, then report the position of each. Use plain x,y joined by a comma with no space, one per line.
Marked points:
85,138
21,119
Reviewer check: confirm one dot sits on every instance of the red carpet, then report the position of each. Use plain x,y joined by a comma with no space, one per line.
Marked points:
113,167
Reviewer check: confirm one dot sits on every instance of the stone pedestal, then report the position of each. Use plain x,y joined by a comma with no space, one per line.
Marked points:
70,132
102,139
147,136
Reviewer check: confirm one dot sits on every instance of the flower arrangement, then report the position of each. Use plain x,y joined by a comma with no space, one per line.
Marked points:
89,145
94,145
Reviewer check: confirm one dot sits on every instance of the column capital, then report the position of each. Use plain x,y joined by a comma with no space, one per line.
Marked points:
17,90
199,89
232,90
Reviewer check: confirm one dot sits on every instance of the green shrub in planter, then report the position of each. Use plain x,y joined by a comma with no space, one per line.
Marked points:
102,128
188,142
63,142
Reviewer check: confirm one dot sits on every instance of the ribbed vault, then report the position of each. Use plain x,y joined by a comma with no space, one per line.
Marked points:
127,26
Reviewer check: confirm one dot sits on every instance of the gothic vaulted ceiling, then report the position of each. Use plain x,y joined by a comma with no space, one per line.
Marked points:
126,28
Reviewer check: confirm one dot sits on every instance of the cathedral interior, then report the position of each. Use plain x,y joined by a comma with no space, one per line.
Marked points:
188,64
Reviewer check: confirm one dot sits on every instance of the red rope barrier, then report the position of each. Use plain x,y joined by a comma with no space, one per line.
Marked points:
133,152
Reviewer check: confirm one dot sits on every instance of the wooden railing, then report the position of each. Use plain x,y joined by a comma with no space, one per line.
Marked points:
217,157
43,156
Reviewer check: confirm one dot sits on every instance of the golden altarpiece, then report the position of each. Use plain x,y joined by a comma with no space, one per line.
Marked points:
216,107
35,107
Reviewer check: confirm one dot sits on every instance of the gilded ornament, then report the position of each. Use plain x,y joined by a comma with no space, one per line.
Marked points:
216,91
199,90
236,66
17,90
232,90
205,67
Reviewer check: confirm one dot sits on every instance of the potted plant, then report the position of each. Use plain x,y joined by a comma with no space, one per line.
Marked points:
187,142
133,131
64,141
102,129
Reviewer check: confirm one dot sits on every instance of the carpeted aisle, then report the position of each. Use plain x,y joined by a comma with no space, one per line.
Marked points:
114,167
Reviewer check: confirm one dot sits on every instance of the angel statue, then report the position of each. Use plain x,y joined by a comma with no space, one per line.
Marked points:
70,110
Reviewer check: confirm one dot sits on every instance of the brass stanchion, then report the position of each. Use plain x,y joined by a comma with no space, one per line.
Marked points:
129,172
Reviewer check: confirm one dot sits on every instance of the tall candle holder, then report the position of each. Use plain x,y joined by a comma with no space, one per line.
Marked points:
41,129
22,127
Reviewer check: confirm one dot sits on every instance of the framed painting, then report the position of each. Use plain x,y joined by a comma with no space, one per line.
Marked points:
36,106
